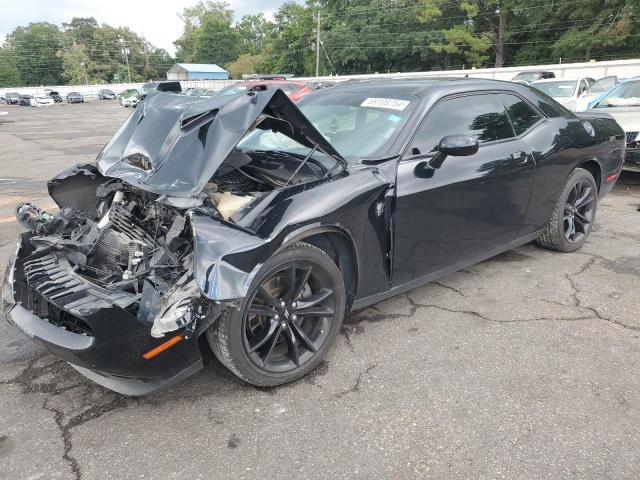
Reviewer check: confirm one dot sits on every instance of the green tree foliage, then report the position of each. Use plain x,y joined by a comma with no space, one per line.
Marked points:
82,52
9,75
599,29
75,63
358,36
244,65
33,53
254,31
209,35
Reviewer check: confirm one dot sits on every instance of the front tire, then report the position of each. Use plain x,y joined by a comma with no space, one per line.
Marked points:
287,322
573,217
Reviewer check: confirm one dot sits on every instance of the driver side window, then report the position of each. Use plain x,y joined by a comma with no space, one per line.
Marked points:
482,116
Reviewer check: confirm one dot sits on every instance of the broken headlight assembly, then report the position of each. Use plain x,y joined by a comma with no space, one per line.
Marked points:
177,316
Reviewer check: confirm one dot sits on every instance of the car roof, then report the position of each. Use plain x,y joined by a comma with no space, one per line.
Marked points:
269,82
549,80
534,71
422,87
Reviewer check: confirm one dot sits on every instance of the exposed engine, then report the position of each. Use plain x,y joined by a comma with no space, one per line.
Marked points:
115,244
135,253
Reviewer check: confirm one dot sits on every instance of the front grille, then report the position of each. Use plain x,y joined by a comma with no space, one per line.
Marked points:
54,292
631,137
50,279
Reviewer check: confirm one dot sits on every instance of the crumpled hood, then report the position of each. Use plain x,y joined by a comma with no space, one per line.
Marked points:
173,144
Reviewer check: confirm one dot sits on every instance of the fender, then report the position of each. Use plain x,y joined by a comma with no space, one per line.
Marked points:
228,255
226,258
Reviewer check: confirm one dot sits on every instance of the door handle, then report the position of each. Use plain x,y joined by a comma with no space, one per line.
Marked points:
520,157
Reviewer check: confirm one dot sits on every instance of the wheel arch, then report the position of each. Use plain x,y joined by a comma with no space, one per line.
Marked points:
336,242
594,168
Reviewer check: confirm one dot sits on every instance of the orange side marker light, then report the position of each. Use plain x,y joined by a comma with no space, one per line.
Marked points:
162,347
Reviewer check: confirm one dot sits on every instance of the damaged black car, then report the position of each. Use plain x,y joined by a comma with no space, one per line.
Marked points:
255,225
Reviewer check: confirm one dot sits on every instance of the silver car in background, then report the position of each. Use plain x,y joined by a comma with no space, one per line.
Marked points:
622,102
566,92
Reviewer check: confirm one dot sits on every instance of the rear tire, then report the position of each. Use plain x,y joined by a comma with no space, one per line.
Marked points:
573,217
287,322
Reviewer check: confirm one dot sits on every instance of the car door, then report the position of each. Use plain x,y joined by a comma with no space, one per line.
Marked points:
469,205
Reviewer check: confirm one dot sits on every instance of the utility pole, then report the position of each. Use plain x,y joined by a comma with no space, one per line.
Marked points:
318,45
125,51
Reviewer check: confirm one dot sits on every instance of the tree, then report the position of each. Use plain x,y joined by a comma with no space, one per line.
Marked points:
208,36
9,75
75,64
289,49
160,61
33,51
254,31
81,30
244,65
599,28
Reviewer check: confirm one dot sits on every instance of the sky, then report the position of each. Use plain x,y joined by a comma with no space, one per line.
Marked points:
157,20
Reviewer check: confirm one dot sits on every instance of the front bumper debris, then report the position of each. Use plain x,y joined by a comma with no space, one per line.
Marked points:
93,329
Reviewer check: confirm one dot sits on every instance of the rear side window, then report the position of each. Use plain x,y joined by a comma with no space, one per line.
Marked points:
479,115
522,116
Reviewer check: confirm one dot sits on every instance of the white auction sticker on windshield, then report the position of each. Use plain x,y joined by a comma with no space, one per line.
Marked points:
390,103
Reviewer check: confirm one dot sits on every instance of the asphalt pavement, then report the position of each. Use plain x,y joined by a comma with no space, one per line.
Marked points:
522,367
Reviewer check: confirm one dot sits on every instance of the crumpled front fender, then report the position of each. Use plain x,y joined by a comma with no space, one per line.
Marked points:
225,257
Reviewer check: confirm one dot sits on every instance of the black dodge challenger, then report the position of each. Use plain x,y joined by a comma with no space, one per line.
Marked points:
257,224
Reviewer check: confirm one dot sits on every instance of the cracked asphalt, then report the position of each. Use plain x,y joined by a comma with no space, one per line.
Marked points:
523,366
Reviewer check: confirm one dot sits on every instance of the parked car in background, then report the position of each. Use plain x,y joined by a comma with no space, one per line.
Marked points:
588,98
74,97
25,100
256,224
528,77
12,98
293,89
41,101
168,86
622,102
55,96
566,92
129,98
106,94
125,97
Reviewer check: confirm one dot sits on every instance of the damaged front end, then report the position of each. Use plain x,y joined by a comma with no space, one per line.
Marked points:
123,280
108,288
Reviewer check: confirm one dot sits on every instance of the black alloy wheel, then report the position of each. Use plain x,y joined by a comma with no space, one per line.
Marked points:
573,217
289,317
287,322
579,211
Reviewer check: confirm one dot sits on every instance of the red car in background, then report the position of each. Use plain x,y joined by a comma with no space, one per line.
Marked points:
294,90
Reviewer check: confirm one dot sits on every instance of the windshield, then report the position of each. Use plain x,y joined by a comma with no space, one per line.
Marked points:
623,95
527,76
356,124
602,85
561,88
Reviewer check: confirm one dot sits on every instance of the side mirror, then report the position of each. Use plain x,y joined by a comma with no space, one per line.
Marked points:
455,146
